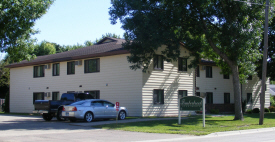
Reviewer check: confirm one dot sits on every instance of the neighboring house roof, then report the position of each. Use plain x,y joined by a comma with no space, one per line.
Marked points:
272,89
105,47
207,62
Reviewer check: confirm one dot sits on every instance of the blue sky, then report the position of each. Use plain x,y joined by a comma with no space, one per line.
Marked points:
69,22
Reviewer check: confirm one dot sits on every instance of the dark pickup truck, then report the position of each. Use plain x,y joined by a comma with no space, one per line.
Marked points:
50,109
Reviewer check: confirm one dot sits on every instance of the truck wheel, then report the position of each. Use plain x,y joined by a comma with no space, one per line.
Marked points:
72,120
121,115
59,115
88,117
47,117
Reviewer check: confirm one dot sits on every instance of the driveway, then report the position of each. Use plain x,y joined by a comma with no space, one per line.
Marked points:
25,128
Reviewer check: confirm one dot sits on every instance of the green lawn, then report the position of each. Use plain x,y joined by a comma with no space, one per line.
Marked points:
193,125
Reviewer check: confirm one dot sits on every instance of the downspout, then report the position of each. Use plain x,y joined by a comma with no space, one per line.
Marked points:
195,81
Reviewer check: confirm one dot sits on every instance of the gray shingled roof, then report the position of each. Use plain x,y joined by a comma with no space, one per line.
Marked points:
272,89
100,49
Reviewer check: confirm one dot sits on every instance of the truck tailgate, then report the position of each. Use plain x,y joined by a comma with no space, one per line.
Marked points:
41,105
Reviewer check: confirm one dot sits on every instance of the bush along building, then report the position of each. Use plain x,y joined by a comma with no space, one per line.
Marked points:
103,71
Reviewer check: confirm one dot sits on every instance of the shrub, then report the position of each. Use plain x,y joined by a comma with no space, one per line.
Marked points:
244,105
199,112
256,110
266,110
272,108
214,111
7,105
272,100
249,111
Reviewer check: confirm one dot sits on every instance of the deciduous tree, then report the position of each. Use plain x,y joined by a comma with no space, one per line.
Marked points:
17,17
227,31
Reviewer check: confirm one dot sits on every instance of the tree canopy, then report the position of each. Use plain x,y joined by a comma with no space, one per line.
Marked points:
270,54
17,17
228,32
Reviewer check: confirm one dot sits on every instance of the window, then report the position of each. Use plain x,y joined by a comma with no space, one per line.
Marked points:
55,96
97,103
182,93
226,76
68,97
158,62
91,66
38,96
198,94
198,71
249,77
226,98
108,104
38,71
249,98
95,94
158,96
209,98
56,69
208,71
182,64
71,67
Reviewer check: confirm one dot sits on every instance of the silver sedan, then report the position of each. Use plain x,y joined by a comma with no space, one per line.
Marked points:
93,109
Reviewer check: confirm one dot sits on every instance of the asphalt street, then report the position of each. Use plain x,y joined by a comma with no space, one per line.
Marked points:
29,129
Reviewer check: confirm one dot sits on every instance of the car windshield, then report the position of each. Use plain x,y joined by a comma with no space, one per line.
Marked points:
78,103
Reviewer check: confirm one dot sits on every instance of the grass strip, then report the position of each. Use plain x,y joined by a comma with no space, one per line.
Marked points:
193,126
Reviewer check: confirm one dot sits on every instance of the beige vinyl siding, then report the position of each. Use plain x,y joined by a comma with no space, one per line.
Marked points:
254,86
170,80
216,84
219,86
116,82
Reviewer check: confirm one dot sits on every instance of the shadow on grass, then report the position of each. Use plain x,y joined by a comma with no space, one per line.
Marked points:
193,120
257,115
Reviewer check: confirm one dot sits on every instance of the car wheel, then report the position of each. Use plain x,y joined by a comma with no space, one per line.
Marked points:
59,115
47,117
121,115
88,117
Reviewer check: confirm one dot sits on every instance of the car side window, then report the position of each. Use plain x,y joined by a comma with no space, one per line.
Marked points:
97,104
86,104
109,104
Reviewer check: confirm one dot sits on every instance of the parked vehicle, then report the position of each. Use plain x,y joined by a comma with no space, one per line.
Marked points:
50,109
88,110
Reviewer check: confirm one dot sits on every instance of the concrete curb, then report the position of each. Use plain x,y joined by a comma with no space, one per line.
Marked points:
241,132
119,121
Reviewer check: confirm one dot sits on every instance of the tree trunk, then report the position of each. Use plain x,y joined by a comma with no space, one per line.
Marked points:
237,93
235,73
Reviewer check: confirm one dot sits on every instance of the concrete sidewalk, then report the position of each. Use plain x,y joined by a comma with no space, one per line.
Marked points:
227,133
